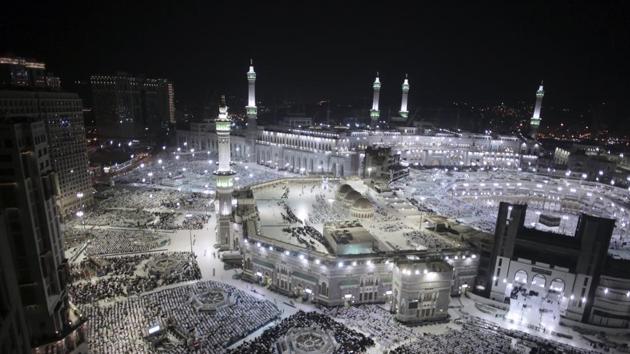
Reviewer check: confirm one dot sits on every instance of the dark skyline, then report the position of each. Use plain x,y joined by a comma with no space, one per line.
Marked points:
481,53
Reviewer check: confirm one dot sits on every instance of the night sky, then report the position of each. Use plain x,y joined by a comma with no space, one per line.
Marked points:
472,51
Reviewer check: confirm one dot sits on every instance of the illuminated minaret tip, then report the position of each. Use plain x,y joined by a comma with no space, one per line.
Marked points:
405,93
534,123
251,79
223,133
374,112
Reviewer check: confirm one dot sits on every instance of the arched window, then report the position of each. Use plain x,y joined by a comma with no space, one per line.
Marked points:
323,289
520,277
557,285
539,280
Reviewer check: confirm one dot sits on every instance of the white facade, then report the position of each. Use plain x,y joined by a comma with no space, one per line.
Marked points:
573,289
339,152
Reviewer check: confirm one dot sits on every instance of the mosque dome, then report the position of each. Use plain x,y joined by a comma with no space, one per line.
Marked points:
362,203
352,196
362,208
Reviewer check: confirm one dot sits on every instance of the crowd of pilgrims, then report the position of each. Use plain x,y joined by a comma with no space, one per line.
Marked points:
100,278
196,170
288,216
151,198
114,241
419,238
307,236
323,211
115,218
375,321
348,340
478,336
195,222
385,222
121,327
137,218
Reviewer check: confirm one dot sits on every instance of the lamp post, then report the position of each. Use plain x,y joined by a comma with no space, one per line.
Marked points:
80,196
80,215
188,216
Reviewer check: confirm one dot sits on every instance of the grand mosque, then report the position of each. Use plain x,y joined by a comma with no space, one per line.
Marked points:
330,234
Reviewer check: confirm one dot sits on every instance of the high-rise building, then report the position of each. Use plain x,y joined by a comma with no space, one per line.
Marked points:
130,107
30,227
569,265
14,335
20,72
63,116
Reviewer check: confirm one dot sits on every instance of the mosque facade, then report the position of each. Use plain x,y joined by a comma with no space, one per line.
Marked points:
339,151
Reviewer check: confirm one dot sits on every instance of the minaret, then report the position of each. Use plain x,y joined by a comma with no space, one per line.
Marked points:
374,112
223,134
251,79
224,175
405,93
252,114
534,123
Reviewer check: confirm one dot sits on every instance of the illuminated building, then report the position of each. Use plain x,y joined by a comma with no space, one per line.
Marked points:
130,107
29,222
573,270
63,114
347,261
20,72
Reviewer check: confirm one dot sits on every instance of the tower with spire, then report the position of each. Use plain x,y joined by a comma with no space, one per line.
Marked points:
252,114
534,123
405,93
224,174
374,112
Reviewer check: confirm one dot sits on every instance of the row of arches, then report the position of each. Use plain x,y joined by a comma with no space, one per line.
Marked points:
538,280
301,162
300,141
